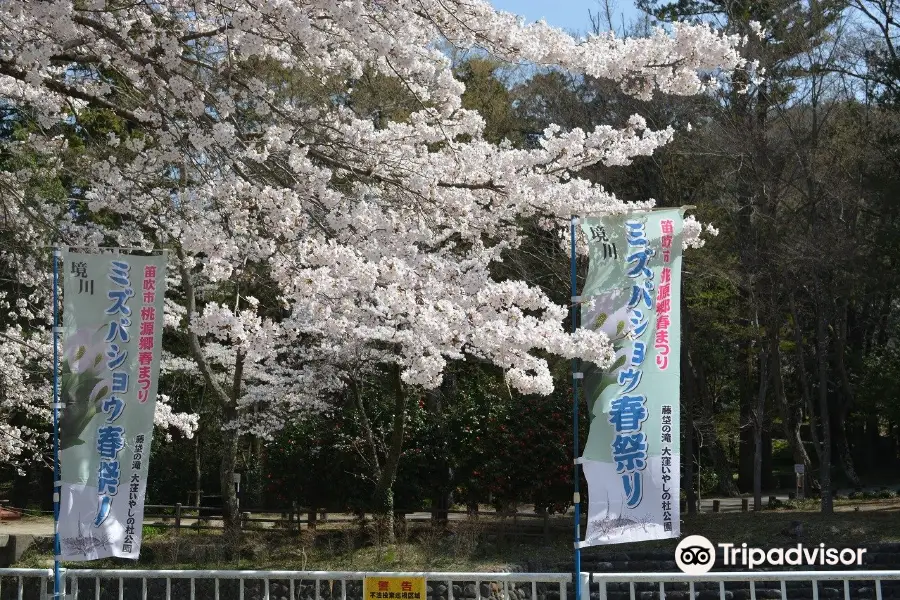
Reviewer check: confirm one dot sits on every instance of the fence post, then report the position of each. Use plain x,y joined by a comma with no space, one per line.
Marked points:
177,516
291,512
717,504
745,504
546,527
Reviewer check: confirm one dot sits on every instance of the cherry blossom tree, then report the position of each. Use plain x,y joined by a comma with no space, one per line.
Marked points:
26,350
314,245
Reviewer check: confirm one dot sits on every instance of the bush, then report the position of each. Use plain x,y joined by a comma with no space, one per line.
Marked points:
778,504
782,455
149,531
709,481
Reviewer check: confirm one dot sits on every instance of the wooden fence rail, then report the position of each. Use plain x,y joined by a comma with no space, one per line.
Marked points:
523,524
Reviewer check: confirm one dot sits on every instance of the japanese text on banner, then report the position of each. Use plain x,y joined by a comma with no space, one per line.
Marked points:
630,459
112,311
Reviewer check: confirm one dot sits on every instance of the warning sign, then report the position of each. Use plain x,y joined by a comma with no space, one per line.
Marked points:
394,588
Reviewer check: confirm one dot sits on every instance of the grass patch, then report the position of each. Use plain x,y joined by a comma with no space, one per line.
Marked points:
426,550
764,528
150,531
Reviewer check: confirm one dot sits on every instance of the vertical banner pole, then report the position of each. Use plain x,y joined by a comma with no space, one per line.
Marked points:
576,450
56,482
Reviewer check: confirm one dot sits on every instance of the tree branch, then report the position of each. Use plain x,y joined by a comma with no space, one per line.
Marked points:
65,90
336,164
204,34
193,338
366,425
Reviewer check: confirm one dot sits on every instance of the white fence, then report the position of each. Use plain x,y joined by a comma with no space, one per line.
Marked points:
752,585
133,584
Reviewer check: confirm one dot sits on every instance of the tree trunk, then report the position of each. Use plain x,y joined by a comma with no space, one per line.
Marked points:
441,488
746,436
227,401
824,413
872,447
384,512
707,428
231,514
198,471
847,397
759,415
881,336
769,481
843,448
791,413
230,511
687,432
892,443
757,469
384,489
745,447
812,483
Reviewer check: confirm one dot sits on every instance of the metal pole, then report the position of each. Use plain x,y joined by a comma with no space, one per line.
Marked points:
576,306
699,473
56,481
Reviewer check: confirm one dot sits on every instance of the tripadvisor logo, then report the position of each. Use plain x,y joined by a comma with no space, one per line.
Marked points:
696,555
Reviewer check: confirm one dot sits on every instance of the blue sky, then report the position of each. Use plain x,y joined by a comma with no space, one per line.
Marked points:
568,14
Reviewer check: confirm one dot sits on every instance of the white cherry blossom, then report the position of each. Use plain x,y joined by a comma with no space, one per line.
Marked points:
374,244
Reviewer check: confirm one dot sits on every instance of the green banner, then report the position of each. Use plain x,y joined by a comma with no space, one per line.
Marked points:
631,457
111,347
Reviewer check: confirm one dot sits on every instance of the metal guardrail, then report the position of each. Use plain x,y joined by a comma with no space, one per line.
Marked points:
134,584
747,580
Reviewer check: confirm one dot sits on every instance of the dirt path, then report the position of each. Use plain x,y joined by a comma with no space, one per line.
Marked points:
39,526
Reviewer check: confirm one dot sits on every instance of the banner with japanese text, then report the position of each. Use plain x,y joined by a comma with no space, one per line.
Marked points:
631,457
112,318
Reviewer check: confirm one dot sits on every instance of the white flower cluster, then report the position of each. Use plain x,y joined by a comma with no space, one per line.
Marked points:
376,241
167,419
